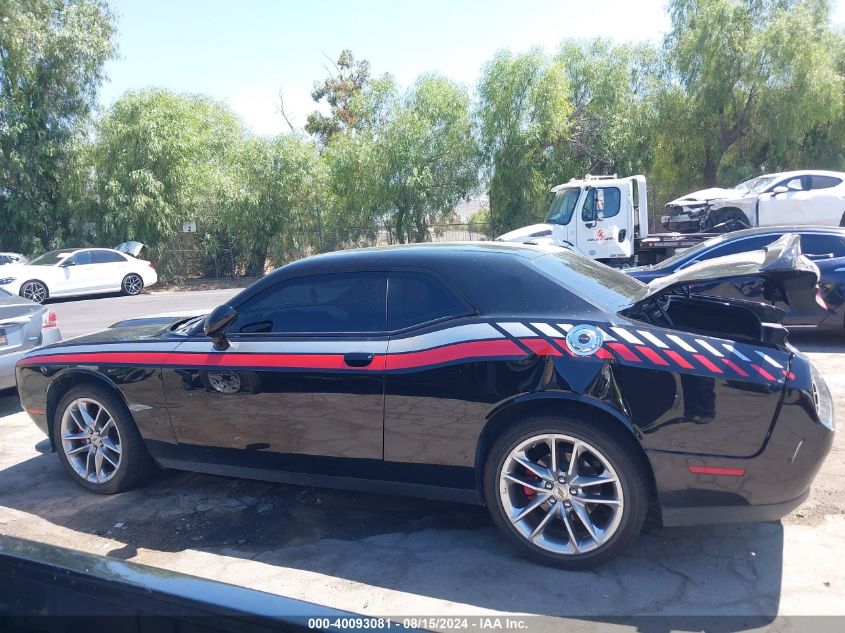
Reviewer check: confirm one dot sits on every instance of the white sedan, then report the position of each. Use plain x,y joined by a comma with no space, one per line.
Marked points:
80,271
808,197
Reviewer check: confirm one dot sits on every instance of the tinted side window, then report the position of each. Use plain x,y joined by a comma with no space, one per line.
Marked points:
416,299
107,257
82,258
5,259
344,302
739,246
822,245
825,182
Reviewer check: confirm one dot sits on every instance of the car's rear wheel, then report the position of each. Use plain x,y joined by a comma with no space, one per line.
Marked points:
132,284
98,442
566,492
34,290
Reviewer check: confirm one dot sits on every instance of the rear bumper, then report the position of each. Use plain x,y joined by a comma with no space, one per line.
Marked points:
709,515
764,486
7,361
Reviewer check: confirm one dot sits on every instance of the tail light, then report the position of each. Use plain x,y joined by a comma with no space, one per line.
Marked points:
151,265
49,319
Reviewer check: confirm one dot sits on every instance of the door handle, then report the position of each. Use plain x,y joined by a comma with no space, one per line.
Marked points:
358,359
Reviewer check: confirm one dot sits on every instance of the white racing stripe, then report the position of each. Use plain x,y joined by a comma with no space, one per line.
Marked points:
681,343
548,329
709,347
565,326
607,337
733,350
107,347
339,346
770,360
516,329
652,338
458,334
625,334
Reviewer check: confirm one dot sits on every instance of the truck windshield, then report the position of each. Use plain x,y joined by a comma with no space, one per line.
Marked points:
560,211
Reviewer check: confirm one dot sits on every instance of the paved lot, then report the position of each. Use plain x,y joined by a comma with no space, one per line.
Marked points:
389,555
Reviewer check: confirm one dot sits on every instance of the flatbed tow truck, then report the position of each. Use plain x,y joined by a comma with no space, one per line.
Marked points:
606,218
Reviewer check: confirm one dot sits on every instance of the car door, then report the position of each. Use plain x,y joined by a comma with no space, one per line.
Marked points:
826,203
111,268
301,386
786,207
827,251
77,275
602,228
430,404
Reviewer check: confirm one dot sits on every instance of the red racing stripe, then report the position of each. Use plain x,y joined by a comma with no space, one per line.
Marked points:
625,352
651,355
707,363
680,360
735,367
459,351
285,361
540,346
124,358
763,373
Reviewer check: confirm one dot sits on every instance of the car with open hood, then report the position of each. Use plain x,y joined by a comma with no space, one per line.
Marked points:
572,400
73,272
804,197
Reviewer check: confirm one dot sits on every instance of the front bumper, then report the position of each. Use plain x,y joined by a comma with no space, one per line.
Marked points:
681,223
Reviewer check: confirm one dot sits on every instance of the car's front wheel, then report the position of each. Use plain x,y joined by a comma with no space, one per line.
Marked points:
98,442
566,492
34,291
132,284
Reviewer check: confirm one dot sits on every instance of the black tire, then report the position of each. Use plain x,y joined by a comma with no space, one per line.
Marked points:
617,446
36,290
132,284
727,219
135,463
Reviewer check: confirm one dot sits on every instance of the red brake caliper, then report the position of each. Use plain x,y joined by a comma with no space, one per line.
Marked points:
529,492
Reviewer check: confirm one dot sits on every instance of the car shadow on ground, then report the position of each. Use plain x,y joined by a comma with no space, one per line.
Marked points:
818,342
427,548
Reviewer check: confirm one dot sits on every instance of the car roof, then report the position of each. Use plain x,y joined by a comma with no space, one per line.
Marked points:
806,172
779,230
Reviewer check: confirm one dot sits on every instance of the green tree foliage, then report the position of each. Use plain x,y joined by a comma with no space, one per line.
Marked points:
273,188
612,90
51,62
350,76
523,116
747,80
159,160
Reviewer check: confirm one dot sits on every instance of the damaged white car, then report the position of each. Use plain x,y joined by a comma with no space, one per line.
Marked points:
794,197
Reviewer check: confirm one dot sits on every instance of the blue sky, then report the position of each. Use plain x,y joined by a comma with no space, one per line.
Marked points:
243,53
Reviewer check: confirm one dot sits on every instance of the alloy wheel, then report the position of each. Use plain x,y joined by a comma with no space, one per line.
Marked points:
91,440
133,284
561,494
34,291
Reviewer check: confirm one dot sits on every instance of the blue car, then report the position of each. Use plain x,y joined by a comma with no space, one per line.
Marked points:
825,246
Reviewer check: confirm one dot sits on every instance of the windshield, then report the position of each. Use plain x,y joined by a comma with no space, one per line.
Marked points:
746,185
760,183
603,286
691,253
3,293
50,259
560,211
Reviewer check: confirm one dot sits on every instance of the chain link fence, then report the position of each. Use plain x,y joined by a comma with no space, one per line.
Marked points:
202,255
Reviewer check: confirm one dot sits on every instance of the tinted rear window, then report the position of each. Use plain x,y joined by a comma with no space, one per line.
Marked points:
604,287
415,299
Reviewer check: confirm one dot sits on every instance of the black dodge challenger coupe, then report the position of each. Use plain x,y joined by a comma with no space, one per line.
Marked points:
572,400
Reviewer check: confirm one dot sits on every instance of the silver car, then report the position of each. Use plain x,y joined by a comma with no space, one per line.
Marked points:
24,325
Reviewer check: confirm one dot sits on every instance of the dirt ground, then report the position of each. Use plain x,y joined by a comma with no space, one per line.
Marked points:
400,556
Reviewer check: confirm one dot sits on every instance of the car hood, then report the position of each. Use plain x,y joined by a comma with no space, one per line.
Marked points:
527,233
705,195
788,274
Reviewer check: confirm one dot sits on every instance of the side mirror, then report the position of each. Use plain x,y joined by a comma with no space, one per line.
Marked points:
780,189
66,263
217,323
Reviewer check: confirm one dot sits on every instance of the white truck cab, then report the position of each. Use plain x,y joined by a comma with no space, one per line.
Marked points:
602,217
